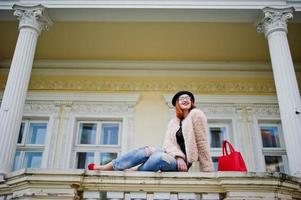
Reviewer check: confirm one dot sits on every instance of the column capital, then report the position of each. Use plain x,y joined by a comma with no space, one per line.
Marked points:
34,17
274,19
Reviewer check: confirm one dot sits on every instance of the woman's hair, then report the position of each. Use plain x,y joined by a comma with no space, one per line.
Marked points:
179,111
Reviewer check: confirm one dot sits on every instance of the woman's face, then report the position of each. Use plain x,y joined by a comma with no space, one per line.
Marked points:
185,102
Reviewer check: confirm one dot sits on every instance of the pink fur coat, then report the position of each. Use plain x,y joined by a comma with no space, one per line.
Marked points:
194,128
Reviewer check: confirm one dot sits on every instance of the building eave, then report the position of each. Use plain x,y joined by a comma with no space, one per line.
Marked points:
205,11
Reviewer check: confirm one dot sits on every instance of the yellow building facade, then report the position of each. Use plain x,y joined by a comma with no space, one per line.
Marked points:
86,81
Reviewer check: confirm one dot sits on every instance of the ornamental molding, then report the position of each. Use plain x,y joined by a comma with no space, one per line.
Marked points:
100,109
222,110
39,107
233,109
228,99
274,19
202,86
49,102
271,110
34,17
214,109
223,105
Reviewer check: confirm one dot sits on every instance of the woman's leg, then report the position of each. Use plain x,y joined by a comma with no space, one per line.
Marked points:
106,167
128,160
159,161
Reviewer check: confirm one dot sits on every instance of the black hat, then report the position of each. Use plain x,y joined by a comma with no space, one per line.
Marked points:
178,94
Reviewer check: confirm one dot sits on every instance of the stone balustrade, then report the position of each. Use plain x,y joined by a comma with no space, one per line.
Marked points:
80,184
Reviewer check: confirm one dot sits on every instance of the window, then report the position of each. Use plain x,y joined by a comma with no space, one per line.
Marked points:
273,147
31,144
218,132
97,141
215,163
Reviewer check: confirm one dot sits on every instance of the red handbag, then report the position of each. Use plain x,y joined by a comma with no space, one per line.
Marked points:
232,161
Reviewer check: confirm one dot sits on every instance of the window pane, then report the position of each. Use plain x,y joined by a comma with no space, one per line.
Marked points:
109,133
270,136
87,133
83,158
107,157
217,136
33,159
37,133
274,164
21,133
17,161
215,163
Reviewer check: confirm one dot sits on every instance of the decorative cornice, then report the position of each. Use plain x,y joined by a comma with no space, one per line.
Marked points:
274,20
34,17
70,97
260,86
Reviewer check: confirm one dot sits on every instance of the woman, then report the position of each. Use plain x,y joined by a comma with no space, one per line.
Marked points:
185,142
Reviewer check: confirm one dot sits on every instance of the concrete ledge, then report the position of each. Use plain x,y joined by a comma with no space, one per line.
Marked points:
64,184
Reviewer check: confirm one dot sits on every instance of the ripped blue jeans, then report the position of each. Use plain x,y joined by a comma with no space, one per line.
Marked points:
150,158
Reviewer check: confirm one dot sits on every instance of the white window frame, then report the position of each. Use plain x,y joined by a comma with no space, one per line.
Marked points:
266,151
96,148
23,147
227,123
58,152
216,152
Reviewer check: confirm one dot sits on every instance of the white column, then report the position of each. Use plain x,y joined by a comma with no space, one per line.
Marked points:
274,26
32,21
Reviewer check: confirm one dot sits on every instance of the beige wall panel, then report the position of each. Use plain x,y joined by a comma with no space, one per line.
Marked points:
150,120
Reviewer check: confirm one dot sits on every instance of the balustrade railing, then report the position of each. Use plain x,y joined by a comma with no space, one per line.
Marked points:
95,195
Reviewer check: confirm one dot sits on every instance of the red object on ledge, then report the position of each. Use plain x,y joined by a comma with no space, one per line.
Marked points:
232,161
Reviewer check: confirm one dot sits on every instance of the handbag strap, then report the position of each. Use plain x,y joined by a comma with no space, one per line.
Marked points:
225,151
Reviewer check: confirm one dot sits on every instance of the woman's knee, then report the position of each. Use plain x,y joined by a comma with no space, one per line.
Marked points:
163,161
168,158
132,158
162,156
150,150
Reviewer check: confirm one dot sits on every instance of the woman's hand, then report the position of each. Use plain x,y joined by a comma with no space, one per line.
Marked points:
182,167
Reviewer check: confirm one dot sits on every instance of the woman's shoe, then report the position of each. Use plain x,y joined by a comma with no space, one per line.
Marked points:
91,166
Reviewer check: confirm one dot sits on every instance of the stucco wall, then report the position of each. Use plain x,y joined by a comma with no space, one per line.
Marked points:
150,120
